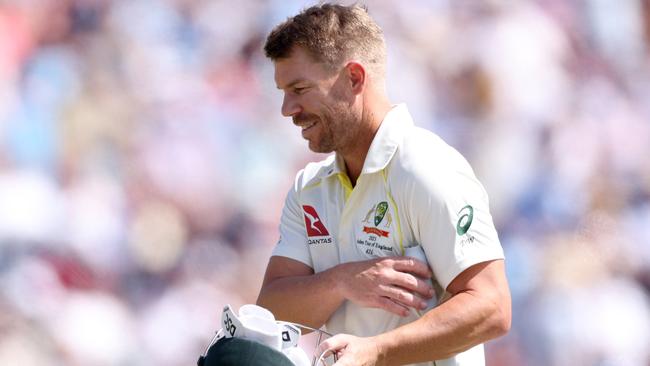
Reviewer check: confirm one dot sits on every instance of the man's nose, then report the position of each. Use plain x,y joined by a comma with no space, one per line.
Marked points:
290,107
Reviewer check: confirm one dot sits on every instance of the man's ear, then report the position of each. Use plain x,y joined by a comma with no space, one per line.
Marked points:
357,77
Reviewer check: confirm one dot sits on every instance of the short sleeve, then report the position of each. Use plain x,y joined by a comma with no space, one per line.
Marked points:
450,211
293,240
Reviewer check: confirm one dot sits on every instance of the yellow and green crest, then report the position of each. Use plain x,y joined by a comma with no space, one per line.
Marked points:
380,212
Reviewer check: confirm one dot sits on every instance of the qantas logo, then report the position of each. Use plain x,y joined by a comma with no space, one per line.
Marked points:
313,223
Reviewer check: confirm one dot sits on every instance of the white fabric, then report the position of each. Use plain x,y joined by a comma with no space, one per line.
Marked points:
423,185
297,356
252,324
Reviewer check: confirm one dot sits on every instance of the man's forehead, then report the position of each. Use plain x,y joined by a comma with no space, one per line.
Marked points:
298,66
287,77
287,73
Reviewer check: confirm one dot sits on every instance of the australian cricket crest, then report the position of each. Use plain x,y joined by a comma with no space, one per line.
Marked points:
375,238
380,212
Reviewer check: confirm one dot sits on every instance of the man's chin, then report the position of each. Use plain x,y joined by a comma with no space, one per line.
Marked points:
317,148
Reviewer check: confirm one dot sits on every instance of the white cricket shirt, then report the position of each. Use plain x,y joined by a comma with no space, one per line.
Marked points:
414,189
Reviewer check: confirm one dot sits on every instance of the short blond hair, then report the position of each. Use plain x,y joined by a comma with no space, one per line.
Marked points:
330,34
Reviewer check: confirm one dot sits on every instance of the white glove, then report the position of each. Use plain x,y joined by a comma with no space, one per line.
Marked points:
254,323
297,356
257,324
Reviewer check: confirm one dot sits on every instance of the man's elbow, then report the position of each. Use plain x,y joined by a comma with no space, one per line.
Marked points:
502,325
501,319
263,298
266,294
260,300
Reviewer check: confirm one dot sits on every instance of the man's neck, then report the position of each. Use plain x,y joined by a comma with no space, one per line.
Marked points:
354,156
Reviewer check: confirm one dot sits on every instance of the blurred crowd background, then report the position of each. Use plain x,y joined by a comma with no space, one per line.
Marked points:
144,164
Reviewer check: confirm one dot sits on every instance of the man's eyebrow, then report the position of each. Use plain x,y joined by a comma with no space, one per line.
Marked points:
294,82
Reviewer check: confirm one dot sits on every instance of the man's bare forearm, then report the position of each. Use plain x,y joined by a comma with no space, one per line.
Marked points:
308,300
462,322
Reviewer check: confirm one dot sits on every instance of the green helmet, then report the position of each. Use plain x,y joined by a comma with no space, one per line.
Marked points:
242,352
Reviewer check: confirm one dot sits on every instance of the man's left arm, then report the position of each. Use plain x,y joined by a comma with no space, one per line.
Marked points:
478,310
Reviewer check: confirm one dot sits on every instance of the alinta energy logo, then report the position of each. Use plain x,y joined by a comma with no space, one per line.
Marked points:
315,227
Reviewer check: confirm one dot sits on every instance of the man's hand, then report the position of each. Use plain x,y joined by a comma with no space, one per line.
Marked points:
394,284
351,350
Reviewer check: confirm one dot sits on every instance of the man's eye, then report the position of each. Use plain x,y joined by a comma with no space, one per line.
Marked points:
299,90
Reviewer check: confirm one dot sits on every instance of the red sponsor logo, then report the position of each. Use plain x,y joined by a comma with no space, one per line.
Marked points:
374,230
313,223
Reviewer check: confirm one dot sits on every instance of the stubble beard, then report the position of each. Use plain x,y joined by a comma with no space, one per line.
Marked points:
339,129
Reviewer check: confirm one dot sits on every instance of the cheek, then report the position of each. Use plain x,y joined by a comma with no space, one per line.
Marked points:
338,120
331,116
335,105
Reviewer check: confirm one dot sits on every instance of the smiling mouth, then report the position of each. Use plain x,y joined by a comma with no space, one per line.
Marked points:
309,125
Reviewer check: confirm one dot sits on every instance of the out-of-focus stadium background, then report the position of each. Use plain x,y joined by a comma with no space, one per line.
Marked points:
144,163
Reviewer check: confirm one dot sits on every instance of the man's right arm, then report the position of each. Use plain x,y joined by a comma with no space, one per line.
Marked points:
293,292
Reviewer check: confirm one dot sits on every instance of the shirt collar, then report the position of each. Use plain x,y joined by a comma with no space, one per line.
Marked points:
333,165
388,138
